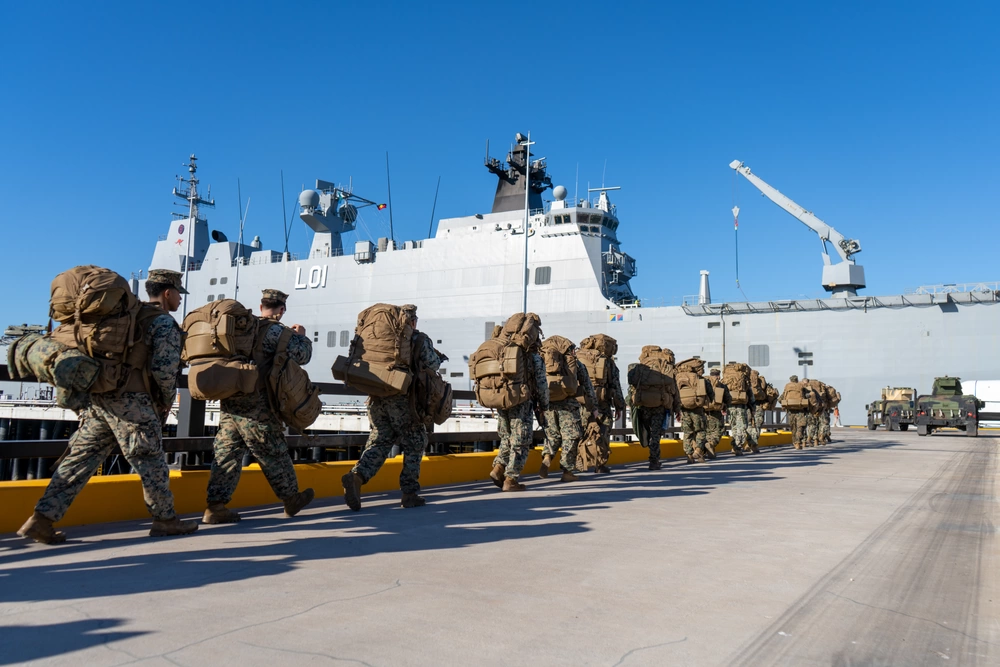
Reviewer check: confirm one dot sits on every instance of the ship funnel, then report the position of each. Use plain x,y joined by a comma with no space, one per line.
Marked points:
704,293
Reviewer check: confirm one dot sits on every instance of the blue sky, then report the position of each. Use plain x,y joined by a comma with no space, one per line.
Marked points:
879,117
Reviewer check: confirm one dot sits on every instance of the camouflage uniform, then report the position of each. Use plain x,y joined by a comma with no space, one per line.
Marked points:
564,430
651,420
693,425
135,421
514,424
740,419
757,427
606,416
796,418
393,422
824,427
248,422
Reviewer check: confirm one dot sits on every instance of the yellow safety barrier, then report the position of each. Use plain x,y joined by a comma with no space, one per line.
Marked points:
119,497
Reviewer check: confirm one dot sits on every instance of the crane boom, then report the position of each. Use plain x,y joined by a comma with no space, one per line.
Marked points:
843,278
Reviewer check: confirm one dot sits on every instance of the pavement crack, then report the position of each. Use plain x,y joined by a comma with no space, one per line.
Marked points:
321,655
643,648
917,618
166,655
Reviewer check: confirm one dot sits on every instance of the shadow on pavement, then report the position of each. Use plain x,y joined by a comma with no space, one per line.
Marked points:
32,642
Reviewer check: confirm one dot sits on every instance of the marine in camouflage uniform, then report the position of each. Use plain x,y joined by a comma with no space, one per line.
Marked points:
563,429
796,418
393,422
740,423
131,419
813,418
693,425
249,423
715,422
514,426
606,418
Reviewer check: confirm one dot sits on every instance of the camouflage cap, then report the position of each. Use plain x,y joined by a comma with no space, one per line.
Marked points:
167,277
714,371
274,295
409,309
793,378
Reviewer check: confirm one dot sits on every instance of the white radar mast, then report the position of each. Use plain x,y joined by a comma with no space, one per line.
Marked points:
842,279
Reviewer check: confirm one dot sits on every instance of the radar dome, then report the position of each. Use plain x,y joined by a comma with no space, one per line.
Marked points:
559,192
309,199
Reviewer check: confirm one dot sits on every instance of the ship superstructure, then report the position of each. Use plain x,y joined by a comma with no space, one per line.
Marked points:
470,276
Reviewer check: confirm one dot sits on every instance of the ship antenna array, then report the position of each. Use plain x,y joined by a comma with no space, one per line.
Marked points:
526,142
191,196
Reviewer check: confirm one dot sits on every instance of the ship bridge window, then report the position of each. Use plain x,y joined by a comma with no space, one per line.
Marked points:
331,339
213,281
458,374
223,280
714,325
211,298
221,297
343,338
759,356
543,275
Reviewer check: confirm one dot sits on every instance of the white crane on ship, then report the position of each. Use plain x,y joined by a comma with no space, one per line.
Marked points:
842,279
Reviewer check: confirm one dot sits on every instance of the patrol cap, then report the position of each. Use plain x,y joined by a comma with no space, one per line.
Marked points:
409,309
793,378
274,295
714,371
167,277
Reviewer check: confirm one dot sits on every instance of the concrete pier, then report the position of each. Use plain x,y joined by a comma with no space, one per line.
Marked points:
879,549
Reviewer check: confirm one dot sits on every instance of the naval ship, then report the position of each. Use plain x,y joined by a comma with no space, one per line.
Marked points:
564,260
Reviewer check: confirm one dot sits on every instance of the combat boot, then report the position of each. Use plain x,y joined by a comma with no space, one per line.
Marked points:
171,527
754,449
568,476
497,476
412,500
737,451
219,513
699,455
709,451
543,470
295,504
602,470
654,464
352,490
796,445
511,484
39,528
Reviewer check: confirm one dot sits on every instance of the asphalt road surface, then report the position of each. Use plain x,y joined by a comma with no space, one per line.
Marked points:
879,549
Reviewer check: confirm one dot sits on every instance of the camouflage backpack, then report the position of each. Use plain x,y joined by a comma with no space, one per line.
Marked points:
294,399
560,368
651,381
98,315
431,396
500,365
597,353
736,376
378,361
794,399
691,386
758,385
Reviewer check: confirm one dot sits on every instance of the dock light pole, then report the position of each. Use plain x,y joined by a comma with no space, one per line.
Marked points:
527,214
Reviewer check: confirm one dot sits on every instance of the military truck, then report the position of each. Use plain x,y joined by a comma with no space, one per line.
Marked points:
894,411
947,407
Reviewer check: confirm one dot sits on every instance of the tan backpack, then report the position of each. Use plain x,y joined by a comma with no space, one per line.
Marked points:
691,386
652,379
794,398
817,396
596,353
378,361
586,456
736,376
500,365
431,394
758,386
560,368
294,399
98,315
716,395
772,397
832,397
219,346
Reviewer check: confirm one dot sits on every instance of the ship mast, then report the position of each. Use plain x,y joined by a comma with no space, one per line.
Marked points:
190,195
526,142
